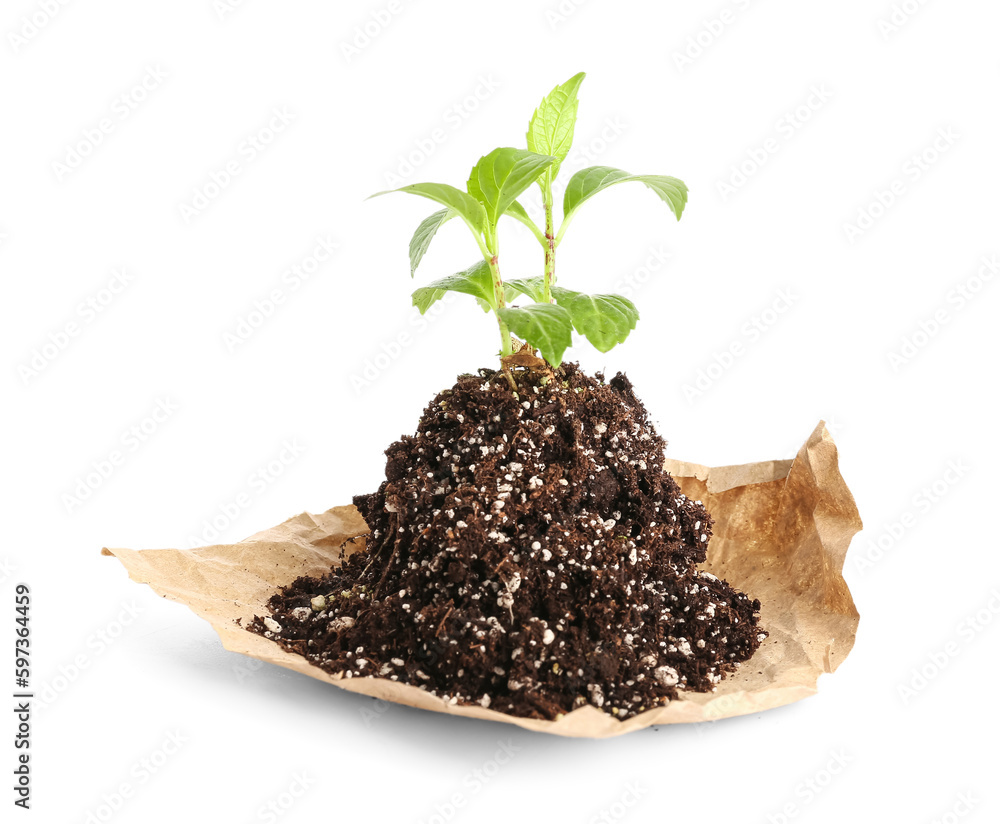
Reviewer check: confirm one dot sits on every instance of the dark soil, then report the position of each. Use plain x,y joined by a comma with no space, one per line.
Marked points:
527,553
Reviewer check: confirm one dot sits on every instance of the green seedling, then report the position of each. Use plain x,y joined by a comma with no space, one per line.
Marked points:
546,323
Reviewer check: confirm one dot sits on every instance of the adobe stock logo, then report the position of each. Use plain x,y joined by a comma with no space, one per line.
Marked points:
32,25
249,149
391,349
809,789
223,8
453,117
87,311
142,771
901,14
257,483
963,806
104,468
750,333
563,11
914,168
120,110
708,35
634,793
95,645
287,284
935,662
630,285
283,802
785,128
923,502
955,300
364,34
473,783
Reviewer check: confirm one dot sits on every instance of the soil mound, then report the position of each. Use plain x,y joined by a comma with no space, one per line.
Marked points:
527,553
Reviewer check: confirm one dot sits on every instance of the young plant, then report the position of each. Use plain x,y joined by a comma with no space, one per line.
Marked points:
546,324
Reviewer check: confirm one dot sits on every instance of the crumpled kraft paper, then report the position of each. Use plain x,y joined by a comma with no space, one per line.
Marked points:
782,529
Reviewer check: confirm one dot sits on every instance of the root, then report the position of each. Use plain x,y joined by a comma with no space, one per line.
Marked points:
526,358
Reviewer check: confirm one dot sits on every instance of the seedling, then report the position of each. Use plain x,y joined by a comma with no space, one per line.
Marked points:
545,324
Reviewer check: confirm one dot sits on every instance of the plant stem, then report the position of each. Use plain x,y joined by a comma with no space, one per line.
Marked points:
505,345
550,241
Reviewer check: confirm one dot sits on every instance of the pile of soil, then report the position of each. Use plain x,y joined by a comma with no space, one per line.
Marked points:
527,553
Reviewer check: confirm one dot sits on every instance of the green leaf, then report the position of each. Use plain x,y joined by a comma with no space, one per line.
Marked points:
545,326
533,288
550,131
422,238
499,177
463,204
604,320
425,297
588,182
477,281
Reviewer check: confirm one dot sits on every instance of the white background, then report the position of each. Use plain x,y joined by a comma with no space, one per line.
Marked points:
864,99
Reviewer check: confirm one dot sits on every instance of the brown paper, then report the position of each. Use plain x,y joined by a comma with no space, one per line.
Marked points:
782,529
